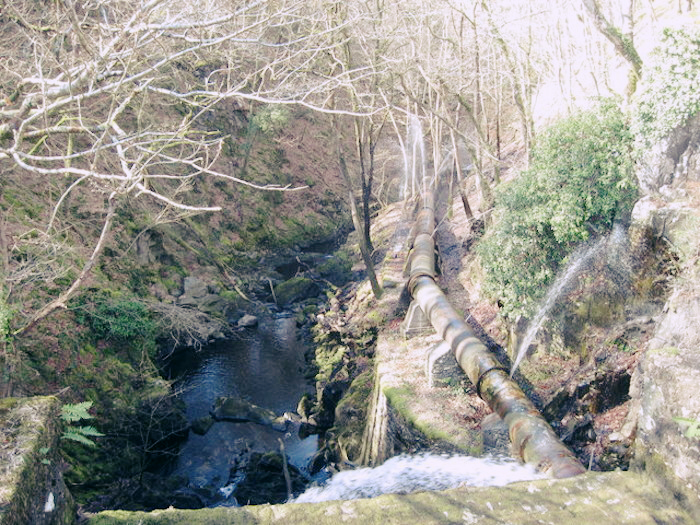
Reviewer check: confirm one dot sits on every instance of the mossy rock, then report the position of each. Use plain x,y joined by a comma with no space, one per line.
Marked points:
31,482
295,289
351,415
237,409
202,425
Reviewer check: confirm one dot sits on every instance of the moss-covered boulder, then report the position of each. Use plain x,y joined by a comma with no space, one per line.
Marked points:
237,409
295,289
31,482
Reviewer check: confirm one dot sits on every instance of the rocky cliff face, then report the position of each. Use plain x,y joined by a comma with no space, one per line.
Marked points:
31,482
665,383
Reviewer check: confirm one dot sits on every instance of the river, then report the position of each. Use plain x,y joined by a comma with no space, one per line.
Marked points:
265,366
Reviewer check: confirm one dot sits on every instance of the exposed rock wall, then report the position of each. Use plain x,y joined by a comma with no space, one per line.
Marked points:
32,490
665,384
674,160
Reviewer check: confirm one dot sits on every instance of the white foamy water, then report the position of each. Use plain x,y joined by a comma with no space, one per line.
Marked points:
405,474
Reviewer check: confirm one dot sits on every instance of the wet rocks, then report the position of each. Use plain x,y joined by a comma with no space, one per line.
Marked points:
261,479
247,321
238,409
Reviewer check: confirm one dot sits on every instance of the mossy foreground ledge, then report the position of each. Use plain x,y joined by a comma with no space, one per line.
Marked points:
31,485
613,497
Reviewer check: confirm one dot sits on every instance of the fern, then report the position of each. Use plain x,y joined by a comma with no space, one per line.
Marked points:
73,413
80,434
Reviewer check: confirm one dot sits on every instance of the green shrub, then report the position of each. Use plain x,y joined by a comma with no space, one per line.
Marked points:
580,178
668,94
116,318
270,119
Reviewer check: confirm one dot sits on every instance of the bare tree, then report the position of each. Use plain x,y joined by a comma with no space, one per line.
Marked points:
85,85
623,42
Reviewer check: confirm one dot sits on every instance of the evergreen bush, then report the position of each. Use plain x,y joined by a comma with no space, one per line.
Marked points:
579,180
116,318
669,94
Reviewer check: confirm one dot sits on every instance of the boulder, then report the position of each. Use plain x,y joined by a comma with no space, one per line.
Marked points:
237,409
305,405
295,289
247,321
194,288
202,425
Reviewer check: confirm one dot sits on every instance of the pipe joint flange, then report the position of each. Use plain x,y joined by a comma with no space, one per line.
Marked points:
484,374
415,277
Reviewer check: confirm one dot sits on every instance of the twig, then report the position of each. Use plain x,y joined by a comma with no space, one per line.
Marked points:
285,469
272,289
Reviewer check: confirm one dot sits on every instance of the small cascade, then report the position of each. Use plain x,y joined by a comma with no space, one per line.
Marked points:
405,474
580,261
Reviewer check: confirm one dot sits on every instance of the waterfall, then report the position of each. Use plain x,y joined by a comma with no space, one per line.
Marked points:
405,474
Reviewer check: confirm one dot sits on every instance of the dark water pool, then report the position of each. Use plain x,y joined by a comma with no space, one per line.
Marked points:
266,367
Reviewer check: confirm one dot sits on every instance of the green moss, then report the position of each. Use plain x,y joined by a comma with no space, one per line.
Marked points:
590,498
328,357
351,415
402,399
294,289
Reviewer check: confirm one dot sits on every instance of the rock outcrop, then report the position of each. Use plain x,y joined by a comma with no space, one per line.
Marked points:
664,387
32,489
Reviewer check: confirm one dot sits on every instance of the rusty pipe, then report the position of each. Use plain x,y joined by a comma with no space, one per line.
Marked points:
532,437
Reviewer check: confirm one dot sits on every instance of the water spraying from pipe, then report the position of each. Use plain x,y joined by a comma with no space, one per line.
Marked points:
416,152
580,261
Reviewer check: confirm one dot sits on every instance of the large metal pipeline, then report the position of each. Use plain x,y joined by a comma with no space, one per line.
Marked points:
532,437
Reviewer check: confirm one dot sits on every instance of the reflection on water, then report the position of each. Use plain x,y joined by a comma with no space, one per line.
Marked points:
265,367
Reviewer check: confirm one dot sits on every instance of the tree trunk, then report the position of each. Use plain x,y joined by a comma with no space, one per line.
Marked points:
458,175
623,43
364,250
61,300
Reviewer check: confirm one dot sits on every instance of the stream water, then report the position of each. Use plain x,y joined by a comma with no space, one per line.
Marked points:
266,367
412,473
